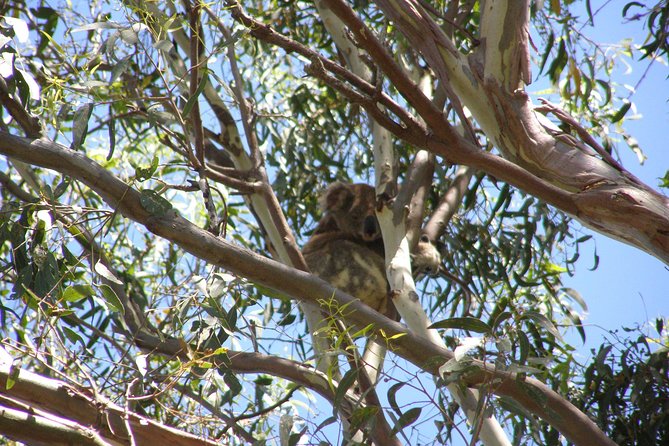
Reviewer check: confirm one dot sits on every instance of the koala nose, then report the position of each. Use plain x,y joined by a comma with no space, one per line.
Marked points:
370,228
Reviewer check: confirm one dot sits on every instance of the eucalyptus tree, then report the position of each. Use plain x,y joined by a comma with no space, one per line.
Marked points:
162,164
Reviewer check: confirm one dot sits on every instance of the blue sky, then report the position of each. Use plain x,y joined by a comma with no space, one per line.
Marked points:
629,287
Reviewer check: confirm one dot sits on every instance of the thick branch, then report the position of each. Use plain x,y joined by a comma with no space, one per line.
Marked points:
85,418
440,139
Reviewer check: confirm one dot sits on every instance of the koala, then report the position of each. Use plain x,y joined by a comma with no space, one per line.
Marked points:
346,248
351,266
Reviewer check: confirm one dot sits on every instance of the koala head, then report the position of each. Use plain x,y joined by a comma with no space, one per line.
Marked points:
352,206
425,258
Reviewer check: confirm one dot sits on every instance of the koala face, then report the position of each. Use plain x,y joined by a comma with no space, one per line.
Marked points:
353,208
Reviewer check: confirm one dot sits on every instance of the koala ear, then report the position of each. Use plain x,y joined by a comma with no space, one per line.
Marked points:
336,197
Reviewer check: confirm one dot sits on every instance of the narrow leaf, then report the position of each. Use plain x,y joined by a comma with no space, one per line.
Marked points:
463,323
111,299
75,293
346,383
392,400
191,101
80,125
407,418
13,375
101,269
543,321
620,114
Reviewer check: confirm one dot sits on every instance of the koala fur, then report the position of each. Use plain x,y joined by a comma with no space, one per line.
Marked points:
352,209
346,248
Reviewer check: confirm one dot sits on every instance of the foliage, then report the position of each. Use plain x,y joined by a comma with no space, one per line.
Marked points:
626,387
657,22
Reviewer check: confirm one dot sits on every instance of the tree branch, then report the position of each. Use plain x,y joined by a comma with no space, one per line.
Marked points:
56,410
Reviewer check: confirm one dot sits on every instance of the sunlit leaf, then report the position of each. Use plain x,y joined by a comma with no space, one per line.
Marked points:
102,269
74,293
111,299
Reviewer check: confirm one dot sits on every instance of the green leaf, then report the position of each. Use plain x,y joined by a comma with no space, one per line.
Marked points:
47,28
269,292
464,323
553,268
233,383
13,375
558,64
153,203
264,380
543,321
118,69
362,417
214,309
501,318
621,113
407,418
80,125
607,90
191,101
73,336
525,283
75,293
111,299
547,51
102,269
145,173
578,324
111,131
287,320
47,279
347,381
629,5
392,396
524,344
328,421
62,187
576,297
